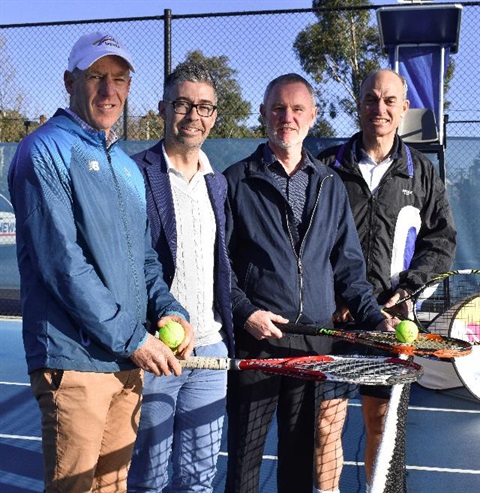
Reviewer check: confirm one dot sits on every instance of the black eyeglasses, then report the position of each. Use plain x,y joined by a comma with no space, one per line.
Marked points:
184,107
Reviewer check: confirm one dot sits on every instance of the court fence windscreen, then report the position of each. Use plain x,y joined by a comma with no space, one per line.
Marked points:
244,50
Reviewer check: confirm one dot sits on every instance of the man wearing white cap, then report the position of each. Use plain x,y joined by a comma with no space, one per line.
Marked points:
89,277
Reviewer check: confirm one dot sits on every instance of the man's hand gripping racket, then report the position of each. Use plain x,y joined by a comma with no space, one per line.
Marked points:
431,345
440,306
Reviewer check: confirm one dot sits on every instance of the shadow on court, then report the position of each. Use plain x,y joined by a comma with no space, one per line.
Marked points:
443,436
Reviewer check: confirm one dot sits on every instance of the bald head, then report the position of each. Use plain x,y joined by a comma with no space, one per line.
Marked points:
379,74
382,105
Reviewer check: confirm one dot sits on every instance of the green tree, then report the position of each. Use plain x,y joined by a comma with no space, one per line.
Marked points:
147,127
323,127
341,47
232,110
12,127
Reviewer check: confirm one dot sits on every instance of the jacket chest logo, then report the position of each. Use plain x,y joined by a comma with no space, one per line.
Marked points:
93,166
407,192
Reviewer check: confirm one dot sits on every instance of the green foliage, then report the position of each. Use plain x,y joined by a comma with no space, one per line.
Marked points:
322,127
341,47
148,127
232,110
447,81
14,126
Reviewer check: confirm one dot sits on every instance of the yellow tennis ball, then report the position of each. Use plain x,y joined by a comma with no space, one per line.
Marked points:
172,334
406,331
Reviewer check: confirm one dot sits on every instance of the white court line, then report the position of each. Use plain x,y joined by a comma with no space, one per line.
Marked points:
274,458
415,468
442,410
433,409
16,383
21,437
444,469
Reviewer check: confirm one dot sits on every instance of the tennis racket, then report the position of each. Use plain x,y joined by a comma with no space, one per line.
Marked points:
431,345
465,324
438,296
375,370
458,323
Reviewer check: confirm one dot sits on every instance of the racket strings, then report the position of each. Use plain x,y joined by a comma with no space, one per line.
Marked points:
364,370
422,343
440,303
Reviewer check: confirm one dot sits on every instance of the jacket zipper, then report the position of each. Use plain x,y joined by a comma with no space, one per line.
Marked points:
121,206
302,245
372,207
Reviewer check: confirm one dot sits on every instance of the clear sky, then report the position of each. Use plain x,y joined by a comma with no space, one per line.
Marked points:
23,11
45,11
28,11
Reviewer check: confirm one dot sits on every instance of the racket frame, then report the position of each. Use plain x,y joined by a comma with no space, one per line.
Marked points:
364,370
426,345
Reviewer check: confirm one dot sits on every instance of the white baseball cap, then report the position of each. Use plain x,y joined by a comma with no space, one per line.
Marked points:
93,46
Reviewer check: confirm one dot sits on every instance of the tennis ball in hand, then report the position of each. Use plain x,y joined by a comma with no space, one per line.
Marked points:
172,334
406,331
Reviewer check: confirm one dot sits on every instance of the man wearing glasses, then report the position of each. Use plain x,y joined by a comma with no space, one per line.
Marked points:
182,417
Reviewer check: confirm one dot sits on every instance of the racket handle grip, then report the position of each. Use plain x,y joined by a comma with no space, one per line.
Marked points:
208,363
292,328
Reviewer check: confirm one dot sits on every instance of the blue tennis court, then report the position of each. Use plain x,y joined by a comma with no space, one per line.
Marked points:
443,440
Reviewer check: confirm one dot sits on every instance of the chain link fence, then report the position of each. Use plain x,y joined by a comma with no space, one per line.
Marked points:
247,50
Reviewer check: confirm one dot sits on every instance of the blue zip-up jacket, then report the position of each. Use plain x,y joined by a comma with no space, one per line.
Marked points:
269,274
86,263
161,213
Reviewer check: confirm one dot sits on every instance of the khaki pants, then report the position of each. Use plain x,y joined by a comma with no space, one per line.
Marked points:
89,426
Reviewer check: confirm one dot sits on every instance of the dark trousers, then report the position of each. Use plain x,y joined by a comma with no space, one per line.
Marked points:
252,399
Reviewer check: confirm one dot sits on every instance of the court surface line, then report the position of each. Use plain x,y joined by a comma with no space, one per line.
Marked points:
20,437
415,468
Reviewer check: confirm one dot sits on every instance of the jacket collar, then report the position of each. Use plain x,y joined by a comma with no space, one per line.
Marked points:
62,119
352,155
256,164
153,156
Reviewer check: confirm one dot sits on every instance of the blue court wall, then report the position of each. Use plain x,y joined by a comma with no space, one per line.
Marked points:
462,181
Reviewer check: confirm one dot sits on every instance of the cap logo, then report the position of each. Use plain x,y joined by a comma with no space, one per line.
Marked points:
107,40
91,47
